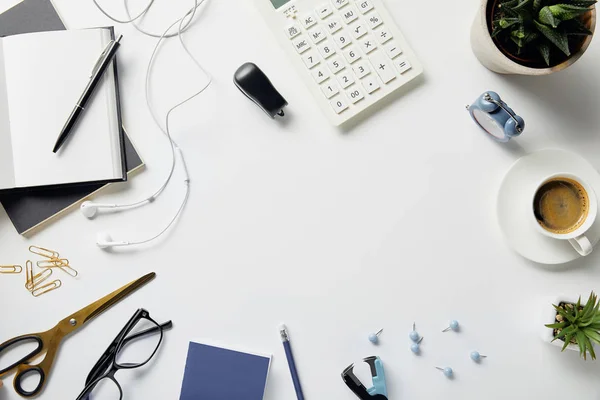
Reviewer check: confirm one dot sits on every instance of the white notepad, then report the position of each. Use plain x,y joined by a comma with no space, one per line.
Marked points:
42,75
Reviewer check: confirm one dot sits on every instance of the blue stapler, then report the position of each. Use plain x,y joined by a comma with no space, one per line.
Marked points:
379,389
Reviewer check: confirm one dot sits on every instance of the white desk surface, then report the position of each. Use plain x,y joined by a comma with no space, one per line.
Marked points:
336,233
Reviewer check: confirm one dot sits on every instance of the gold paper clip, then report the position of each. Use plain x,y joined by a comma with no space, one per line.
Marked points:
61,263
40,251
28,273
38,279
53,262
10,269
48,287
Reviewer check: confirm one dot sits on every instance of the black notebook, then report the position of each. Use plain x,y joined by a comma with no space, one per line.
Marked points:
29,210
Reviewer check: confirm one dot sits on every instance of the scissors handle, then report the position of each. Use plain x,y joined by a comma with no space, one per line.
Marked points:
18,341
23,371
23,368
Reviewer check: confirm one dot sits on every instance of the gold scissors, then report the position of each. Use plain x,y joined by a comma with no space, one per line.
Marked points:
49,341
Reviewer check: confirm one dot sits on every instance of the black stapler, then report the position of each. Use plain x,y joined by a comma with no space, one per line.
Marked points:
379,389
257,87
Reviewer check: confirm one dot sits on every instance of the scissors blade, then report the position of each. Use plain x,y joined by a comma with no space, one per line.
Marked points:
78,319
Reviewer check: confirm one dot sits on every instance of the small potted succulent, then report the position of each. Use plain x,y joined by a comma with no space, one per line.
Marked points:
532,37
575,326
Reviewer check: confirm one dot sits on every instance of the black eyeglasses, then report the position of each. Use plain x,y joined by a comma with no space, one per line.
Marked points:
133,347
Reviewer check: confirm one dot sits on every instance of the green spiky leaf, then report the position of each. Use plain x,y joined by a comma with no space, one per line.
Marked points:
592,334
522,4
546,17
590,348
558,325
531,36
582,344
544,50
507,22
559,39
502,24
583,3
567,331
524,9
567,342
509,4
565,12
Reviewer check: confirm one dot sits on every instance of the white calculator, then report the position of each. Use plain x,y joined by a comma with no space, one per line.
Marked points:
349,52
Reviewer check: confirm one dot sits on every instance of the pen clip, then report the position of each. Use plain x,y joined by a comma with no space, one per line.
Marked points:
101,58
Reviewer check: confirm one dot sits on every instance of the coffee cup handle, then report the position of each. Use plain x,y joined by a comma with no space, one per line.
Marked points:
582,245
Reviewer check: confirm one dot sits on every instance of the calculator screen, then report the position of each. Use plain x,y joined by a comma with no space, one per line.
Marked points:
279,3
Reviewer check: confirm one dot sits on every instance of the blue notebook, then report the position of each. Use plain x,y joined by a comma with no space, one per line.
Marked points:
216,373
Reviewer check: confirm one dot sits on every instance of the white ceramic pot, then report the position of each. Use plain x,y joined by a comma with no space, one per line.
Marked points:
549,317
492,58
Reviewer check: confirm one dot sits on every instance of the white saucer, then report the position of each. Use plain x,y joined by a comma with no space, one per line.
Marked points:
515,204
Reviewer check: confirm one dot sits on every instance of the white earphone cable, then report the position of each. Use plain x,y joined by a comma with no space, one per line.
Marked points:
184,23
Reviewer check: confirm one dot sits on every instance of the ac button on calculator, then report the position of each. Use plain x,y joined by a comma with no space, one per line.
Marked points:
349,53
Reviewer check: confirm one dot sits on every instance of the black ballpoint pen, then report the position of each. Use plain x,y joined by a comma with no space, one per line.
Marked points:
102,64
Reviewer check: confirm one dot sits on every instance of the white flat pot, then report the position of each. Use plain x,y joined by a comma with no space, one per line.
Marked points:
549,317
492,58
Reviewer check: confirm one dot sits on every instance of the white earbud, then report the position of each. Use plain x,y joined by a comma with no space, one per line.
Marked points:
104,240
90,209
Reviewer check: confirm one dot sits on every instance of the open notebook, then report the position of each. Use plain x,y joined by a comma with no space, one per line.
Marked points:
42,75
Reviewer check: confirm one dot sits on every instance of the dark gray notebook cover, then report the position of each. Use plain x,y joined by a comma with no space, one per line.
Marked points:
30,16
29,209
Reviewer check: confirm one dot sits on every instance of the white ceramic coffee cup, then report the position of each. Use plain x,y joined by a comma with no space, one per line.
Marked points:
577,238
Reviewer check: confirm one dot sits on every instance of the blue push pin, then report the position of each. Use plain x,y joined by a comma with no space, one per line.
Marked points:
414,335
453,325
374,337
447,372
416,348
475,356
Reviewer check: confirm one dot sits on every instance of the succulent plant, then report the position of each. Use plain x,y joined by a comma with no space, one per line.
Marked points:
578,325
541,25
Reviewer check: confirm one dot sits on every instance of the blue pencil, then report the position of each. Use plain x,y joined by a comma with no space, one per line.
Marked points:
285,338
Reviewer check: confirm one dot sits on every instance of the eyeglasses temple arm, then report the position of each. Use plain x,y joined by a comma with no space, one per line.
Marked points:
165,326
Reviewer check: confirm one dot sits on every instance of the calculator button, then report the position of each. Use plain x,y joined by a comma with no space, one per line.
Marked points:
393,50
330,89
342,39
292,31
317,35
355,94
324,11
340,3
326,49
349,14
365,6
370,83
346,79
358,30
361,68
321,74
310,59
402,64
351,54
336,64
383,35
368,44
334,25
301,44
374,20
383,67
308,20
339,104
